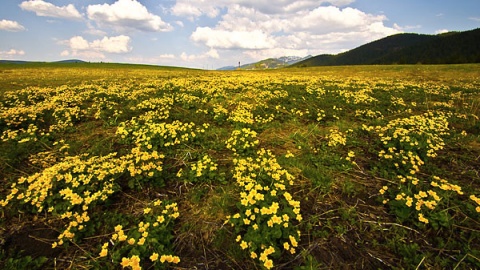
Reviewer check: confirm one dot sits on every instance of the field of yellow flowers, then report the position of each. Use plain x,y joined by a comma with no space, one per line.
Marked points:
109,166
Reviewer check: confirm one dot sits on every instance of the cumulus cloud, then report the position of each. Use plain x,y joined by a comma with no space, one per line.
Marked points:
194,8
126,15
14,52
119,44
323,20
46,9
299,28
11,53
79,46
11,26
65,53
78,43
223,39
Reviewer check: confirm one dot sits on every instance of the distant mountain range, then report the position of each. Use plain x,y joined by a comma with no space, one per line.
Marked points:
447,48
270,63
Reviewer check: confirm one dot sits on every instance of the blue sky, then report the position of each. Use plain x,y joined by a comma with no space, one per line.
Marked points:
214,33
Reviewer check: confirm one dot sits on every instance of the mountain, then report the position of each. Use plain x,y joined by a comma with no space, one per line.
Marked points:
13,62
447,48
70,61
270,63
227,68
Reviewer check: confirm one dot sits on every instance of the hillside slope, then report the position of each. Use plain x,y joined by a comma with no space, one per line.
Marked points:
449,48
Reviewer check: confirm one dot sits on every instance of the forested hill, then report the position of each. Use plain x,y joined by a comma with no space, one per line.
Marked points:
448,48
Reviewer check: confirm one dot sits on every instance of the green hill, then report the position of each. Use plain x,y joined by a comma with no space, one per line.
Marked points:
448,48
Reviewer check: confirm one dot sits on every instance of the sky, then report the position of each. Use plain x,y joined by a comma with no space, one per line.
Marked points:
210,34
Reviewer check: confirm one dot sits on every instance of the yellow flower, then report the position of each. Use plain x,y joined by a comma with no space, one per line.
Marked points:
176,259
243,245
160,219
122,237
103,253
154,257
118,228
268,264
293,241
421,218
125,262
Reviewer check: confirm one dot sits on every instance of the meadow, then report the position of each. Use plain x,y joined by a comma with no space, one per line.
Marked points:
109,166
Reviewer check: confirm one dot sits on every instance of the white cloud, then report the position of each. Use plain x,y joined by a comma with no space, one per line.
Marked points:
223,39
125,15
195,8
11,53
330,19
11,26
14,52
162,59
187,10
118,44
80,47
166,56
94,31
477,19
185,57
46,9
212,53
441,31
300,28
78,43
179,23
190,58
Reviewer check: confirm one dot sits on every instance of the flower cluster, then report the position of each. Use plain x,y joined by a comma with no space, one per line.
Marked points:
477,201
242,140
147,239
267,211
205,169
155,109
362,96
407,144
367,113
68,189
336,137
410,141
242,114
320,115
151,135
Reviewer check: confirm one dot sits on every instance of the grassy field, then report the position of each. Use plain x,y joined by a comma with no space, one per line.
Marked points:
104,166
